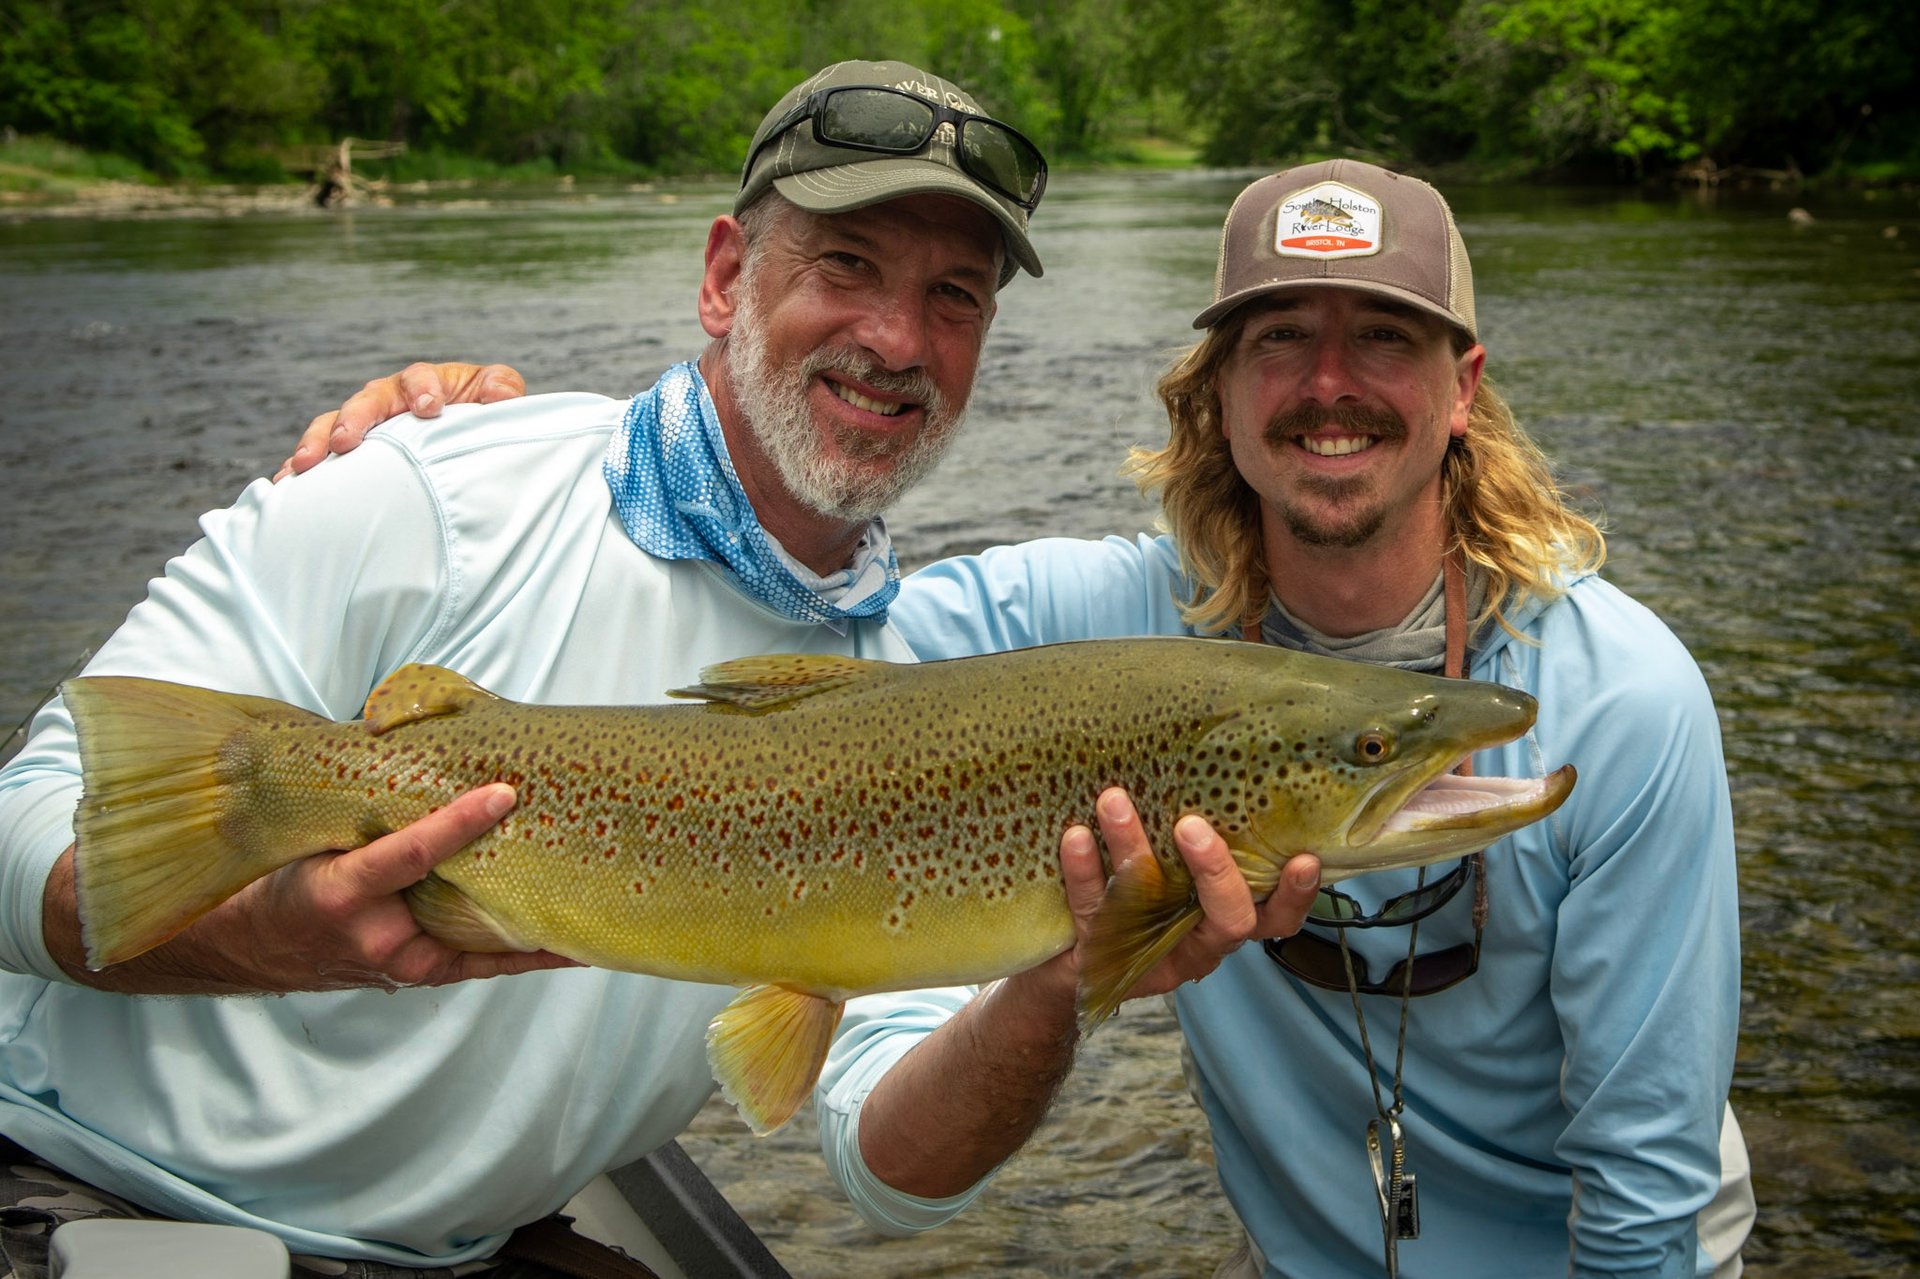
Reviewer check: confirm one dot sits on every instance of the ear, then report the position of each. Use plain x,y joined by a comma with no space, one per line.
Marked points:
726,250
1466,372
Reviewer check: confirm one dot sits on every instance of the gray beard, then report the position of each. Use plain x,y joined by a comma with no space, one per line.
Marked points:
774,402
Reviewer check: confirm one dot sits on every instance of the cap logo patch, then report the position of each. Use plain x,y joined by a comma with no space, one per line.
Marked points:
1327,221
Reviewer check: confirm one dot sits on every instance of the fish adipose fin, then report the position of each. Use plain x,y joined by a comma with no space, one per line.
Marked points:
416,692
781,679
451,916
766,1049
1148,908
160,853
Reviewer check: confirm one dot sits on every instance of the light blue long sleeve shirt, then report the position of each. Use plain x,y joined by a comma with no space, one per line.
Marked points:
1564,1103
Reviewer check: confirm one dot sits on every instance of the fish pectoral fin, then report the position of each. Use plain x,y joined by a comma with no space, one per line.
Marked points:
777,679
418,691
766,1049
1148,908
450,916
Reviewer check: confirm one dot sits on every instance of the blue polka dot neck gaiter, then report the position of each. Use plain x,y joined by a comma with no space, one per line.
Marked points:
674,487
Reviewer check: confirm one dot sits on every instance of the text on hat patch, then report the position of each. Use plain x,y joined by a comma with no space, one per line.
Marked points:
1330,220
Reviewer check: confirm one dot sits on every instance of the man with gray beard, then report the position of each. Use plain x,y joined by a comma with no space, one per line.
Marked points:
827,475
561,549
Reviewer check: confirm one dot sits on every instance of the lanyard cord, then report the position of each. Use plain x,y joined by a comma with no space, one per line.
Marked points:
1390,1165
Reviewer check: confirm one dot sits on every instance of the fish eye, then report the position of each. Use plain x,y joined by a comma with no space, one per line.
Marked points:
1373,747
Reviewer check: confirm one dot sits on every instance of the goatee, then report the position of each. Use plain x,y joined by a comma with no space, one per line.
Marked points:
1355,523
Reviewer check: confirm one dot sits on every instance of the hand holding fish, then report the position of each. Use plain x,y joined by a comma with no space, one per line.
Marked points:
421,389
972,1093
1230,916
332,921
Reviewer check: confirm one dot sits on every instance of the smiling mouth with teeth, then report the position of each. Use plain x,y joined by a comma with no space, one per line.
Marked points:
885,408
1340,446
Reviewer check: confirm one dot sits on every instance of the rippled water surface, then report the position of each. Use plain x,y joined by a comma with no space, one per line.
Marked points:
1735,392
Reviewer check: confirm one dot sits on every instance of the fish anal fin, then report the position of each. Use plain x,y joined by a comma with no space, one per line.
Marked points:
418,691
766,1049
1148,908
449,915
777,679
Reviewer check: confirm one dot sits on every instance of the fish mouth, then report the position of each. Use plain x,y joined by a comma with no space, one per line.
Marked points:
1450,816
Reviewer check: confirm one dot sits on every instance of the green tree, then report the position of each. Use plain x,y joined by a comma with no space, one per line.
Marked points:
1616,86
536,79
394,67
1079,56
1358,77
170,83
1794,83
692,82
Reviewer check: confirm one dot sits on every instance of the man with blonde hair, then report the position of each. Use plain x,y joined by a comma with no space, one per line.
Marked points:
1517,1066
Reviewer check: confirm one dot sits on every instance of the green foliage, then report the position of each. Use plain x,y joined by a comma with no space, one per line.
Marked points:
1607,86
171,83
1563,80
33,163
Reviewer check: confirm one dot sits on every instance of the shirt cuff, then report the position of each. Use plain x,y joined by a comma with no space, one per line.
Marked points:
36,829
857,1062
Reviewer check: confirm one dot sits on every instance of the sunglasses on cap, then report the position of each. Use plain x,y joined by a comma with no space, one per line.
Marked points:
1323,963
895,122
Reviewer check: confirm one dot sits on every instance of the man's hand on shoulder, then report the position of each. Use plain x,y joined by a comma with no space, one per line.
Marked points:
333,921
420,389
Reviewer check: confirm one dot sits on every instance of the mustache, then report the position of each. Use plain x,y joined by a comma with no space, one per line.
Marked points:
913,385
1355,419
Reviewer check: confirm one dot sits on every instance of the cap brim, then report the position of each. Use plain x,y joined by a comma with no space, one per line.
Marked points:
841,188
1225,306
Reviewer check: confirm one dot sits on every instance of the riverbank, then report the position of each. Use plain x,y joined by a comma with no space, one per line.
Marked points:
43,178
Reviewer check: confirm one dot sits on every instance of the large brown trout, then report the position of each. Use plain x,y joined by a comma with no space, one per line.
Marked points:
816,828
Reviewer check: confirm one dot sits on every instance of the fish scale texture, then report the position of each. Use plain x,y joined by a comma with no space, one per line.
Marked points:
841,826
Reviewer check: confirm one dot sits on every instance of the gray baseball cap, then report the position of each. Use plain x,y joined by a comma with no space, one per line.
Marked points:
824,178
1349,225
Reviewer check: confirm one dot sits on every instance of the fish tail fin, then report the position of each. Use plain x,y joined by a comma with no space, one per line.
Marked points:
766,1049
155,838
1148,908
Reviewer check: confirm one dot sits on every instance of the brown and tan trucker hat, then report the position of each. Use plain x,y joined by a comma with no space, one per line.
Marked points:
1349,225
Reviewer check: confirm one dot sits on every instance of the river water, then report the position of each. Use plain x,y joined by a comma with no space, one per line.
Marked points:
1733,388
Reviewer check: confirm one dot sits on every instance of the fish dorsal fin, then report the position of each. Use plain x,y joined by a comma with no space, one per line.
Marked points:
777,679
417,691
